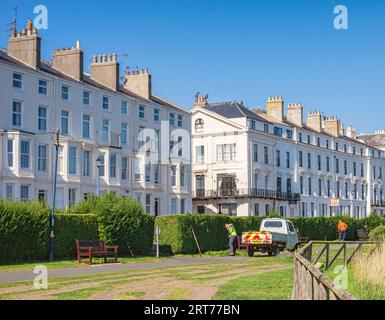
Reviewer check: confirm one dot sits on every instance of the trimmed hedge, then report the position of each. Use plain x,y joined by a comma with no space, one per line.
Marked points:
25,228
122,222
71,227
176,231
24,231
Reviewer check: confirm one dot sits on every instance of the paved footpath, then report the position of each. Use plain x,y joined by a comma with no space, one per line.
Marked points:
26,275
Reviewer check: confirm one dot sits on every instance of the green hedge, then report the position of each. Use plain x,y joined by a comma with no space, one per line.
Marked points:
24,230
377,234
176,230
177,237
122,222
71,227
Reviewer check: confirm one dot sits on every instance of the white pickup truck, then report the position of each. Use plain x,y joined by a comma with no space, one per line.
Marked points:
274,235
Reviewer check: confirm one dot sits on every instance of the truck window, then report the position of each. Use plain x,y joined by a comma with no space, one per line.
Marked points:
273,224
290,227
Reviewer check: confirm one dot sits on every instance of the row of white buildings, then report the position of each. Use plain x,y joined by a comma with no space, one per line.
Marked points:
254,162
99,117
218,158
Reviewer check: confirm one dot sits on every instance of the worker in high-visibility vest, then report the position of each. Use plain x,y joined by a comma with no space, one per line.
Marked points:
342,230
233,238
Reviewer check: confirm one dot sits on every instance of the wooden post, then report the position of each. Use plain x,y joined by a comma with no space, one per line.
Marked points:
196,241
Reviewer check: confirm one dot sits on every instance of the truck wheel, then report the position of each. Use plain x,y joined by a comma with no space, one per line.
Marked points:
273,252
250,251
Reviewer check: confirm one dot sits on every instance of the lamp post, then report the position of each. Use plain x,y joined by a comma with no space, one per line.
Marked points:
98,165
52,235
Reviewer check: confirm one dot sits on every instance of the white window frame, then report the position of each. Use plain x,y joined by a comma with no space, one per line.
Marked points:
42,158
10,153
72,158
14,80
43,88
27,155
84,124
17,113
42,119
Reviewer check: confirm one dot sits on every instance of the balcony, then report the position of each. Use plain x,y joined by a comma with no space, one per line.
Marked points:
246,193
110,139
378,204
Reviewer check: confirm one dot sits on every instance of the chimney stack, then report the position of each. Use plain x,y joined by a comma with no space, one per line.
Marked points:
333,126
351,132
314,120
139,83
106,70
295,114
274,108
26,46
201,101
69,62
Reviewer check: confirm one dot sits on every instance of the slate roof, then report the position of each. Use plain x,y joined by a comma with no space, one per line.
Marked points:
374,140
232,109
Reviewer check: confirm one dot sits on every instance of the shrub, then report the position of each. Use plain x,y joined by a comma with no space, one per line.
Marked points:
72,227
24,231
377,234
122,222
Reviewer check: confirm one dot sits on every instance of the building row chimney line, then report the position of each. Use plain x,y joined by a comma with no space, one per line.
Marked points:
137,72
105,58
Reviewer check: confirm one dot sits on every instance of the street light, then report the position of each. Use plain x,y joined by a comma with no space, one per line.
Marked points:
98,165
52,235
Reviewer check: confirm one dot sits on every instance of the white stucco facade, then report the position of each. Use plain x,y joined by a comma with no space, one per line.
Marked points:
95,121
279,166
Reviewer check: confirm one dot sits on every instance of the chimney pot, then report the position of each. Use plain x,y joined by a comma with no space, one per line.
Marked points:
29,25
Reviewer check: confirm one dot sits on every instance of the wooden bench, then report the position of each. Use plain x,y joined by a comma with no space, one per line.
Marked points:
95,248
362,235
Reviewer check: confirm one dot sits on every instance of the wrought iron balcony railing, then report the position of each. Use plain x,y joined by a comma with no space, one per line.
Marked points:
246,193
378,203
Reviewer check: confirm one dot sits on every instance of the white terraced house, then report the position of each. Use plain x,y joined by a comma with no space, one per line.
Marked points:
252,162
99,118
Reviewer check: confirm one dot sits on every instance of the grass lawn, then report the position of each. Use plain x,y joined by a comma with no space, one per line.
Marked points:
70,263
195,281
360,289
268,286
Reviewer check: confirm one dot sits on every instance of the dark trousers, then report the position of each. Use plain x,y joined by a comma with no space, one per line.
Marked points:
342,235
233,245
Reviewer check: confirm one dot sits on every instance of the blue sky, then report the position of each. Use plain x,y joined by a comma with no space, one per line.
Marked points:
234,49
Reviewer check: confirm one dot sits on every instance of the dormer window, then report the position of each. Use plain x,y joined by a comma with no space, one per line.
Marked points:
199,125
252,124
